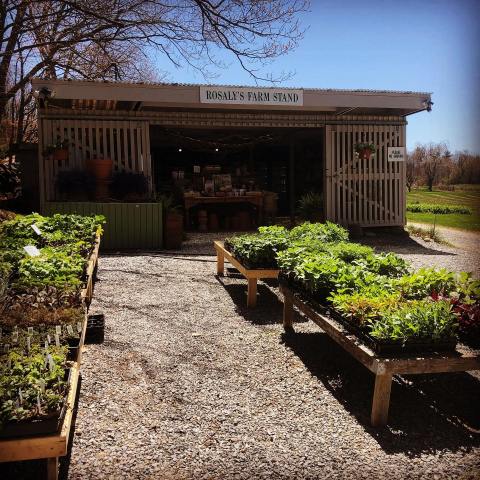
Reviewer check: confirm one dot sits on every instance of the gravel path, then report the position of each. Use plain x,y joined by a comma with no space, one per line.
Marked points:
463,253
189,384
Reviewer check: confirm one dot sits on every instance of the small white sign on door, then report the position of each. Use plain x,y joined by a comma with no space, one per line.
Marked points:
396,154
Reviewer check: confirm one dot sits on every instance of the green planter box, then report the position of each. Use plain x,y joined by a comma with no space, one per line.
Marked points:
129,225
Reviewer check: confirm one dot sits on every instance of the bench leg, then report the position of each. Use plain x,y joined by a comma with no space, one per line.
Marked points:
381,399
287,312
220,263
52,468
252,292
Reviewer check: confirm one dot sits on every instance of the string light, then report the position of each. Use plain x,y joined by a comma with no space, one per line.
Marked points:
179,149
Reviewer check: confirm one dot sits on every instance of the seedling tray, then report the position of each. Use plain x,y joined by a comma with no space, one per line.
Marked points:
73,348
34,427
382,348
95,328
47,425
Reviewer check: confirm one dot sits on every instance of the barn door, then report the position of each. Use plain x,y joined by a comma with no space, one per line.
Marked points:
127,143
364,192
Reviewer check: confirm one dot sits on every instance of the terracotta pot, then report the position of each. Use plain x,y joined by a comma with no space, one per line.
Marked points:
60,154
365,153
173,234
100,167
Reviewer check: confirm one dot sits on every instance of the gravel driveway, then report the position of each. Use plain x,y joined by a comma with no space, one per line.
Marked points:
189,384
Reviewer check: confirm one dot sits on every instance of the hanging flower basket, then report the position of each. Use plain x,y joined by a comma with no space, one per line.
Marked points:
57,151
364,150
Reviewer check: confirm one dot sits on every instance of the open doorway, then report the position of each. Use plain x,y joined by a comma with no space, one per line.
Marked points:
236,178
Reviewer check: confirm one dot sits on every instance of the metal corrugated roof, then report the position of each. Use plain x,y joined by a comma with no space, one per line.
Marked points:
305,89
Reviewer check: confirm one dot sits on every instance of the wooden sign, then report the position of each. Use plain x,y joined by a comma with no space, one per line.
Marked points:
251,96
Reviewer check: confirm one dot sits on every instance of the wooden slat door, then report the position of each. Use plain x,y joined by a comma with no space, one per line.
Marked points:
364,192
127,143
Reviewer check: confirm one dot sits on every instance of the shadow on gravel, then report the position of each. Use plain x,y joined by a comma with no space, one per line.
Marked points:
269,309
400,243
428,413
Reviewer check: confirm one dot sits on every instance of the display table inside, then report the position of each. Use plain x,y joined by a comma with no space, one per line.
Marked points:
383,368
255,201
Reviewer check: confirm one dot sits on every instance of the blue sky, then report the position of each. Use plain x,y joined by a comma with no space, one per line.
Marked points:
426,45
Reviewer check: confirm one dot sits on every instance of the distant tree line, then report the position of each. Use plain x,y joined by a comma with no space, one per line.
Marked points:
433,165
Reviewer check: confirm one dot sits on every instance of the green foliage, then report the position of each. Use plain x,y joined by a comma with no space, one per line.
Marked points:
51,267
417,320
325,232
65,227
360,147
387,264
41,384
348,251
322,274
467,289
65,243
438,209
366,306
310,206
425,282
255,251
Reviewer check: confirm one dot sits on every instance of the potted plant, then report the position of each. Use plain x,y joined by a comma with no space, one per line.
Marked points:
100,167
75,184
364,150
60,152
172,223
310,207
129,186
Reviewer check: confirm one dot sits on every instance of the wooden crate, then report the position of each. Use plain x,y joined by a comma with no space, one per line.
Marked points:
383,368
252,276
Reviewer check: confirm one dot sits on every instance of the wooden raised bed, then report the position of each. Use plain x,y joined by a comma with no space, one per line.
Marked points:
252,275
383,368
87,292
51,447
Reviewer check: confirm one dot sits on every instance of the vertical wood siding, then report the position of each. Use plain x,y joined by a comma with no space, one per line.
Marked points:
129,225
127,143
364,192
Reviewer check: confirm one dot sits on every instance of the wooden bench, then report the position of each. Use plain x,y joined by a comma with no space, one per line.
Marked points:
383,368
251,275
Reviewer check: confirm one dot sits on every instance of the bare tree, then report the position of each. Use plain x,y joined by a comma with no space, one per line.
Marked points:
111,40
412,168
432,158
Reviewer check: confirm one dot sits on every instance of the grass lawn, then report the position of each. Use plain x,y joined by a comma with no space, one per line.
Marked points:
470,197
